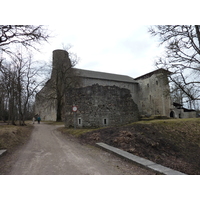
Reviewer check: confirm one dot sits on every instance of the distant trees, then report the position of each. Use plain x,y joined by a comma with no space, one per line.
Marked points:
182,57
19,74
18,85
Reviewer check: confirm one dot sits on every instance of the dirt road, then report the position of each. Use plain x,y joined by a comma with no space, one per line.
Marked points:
49,152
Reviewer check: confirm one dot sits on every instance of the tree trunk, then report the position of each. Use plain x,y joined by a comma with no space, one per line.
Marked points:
59,111
198,33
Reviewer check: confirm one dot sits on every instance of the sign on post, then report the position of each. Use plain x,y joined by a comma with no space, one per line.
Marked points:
74,109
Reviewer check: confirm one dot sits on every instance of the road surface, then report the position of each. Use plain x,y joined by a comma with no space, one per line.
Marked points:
49,152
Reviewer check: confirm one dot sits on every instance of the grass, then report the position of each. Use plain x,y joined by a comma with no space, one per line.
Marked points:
178,136
12,136
174,143
184,133
53,123
188,126
77,132
169,121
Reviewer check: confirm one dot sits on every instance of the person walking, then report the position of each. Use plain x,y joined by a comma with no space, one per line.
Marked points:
38,119
33,120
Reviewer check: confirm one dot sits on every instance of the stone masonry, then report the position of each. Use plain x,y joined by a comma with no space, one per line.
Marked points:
103,99
100,106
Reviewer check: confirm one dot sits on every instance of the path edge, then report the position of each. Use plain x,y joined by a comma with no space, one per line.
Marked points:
140,161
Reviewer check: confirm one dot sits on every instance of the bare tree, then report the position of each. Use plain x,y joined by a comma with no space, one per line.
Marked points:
20,80
62,78
72,56
8,92
65,78
182,56
26,35
18,77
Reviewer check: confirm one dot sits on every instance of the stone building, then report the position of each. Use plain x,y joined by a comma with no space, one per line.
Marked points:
99,105
105,99
153,93
178,111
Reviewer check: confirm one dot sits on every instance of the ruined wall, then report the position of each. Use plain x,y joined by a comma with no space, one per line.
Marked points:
100,106
149,93
133,87
189,114
179,113
153,93
45,103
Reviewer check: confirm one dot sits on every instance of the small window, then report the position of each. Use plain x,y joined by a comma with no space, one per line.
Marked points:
105,121
156,82
148,85
79,121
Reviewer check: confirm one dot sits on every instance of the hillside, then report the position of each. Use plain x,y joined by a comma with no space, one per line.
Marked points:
13,136
172,143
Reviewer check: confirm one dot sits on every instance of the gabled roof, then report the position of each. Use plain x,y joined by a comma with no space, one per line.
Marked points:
104,76
177,104
158,71
180,106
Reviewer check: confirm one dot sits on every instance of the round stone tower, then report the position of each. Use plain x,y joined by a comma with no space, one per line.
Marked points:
61,61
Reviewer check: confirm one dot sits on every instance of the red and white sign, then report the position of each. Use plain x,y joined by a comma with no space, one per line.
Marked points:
74,108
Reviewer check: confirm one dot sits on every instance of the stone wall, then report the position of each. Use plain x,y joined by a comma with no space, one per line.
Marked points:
153,94
133,87
148,93
45,103
180,113
89,78
100,106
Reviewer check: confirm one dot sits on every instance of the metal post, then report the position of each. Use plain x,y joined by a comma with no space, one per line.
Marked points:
74,120
74,108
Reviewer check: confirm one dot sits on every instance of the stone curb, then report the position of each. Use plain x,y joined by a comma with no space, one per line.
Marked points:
2,151
141,161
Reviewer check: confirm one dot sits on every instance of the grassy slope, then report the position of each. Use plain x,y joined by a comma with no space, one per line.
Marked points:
174,143
176,140
13,136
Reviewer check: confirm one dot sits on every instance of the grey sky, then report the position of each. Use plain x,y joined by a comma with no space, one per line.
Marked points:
107,35
131,51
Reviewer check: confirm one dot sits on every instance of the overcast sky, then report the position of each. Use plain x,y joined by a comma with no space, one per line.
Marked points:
107,46
108,35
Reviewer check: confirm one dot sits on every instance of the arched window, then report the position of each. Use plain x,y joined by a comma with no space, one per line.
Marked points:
172,114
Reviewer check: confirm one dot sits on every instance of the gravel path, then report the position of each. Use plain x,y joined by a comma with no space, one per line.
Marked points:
49,152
